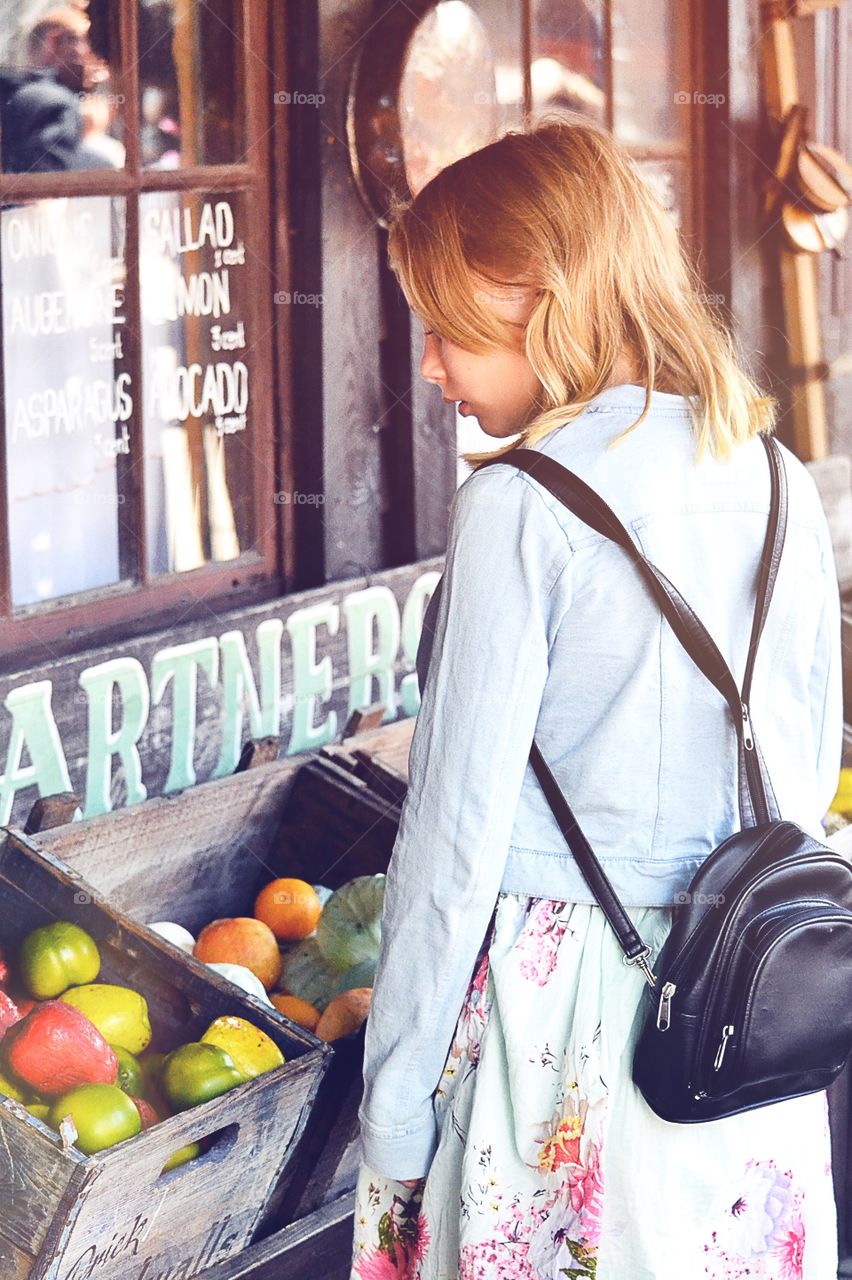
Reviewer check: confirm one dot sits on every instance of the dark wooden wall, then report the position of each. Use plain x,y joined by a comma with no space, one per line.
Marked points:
369,435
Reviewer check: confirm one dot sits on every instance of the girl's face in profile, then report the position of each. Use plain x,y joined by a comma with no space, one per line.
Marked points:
498,387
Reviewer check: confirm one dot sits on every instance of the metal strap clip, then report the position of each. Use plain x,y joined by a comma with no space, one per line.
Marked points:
642,961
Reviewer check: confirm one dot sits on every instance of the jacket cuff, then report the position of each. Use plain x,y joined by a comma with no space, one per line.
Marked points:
405,1152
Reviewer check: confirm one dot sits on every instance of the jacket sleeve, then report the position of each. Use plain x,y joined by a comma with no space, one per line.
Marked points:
479,705
826,686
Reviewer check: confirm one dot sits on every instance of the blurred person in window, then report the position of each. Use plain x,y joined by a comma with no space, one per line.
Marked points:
99,112
41,105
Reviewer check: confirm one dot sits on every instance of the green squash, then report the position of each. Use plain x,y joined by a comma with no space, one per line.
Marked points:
349,931
361,975
306,974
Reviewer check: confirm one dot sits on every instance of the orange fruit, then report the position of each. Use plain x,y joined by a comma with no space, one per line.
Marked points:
296,1010
290,907
344,1014
241,940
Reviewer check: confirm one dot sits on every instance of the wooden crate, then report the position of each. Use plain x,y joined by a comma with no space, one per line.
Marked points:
115,1215
205,854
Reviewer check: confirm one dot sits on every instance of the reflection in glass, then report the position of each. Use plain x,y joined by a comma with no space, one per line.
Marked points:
567,68
68,394
502,19
197,335
190,83
448,100
645,71
667,179
59,108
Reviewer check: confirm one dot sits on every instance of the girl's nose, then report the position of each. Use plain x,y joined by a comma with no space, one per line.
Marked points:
431,364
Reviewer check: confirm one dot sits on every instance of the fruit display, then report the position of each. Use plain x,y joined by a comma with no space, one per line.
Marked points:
839,813
305,948
77,1055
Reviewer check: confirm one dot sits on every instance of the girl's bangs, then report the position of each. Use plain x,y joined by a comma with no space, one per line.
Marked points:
437,283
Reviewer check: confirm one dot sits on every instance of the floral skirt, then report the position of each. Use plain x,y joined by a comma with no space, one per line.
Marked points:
549,1162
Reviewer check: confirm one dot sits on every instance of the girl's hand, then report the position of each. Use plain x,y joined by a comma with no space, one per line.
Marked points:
410,1182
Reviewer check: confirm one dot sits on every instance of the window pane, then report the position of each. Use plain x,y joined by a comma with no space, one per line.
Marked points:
502,20
191,83
568,45
68,394
60,102
449,97
668,180
197,338
646,72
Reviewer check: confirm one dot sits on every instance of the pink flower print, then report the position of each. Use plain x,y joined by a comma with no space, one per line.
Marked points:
540,939
586,1193
506,1255
421,1240
473,1016
495,1260
791,1250
475,1001
375,1264
403,1241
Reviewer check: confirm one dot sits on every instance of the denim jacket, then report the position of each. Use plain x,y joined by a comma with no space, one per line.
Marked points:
541,626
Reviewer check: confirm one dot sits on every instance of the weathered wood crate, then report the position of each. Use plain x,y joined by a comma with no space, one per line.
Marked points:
205,854
115,1215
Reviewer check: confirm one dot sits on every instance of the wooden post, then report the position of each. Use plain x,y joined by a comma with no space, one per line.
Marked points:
799,271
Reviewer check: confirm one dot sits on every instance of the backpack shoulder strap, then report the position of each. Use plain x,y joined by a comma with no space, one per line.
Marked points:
757,800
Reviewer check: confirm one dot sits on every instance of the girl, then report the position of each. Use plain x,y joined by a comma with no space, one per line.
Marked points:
502,1134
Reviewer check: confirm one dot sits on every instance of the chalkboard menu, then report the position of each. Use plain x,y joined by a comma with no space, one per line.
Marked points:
68,397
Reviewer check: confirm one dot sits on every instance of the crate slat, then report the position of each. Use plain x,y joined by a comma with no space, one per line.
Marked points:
317,1246
80,1216
14,1265
33,1178
213,830
183,1213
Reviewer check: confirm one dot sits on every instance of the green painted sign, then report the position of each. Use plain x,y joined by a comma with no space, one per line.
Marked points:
152,717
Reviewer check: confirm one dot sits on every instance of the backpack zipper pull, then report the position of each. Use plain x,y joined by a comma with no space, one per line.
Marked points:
748,735
664,1011
727,1032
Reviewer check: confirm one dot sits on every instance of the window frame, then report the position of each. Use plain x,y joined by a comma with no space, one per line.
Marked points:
71,621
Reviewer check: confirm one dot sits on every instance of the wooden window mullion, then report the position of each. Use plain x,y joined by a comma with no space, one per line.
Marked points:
5,540
609,75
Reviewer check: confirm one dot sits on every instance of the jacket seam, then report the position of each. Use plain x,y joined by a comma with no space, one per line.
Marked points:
662,624
613,858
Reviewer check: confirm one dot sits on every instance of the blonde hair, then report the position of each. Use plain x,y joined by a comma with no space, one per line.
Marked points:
561,210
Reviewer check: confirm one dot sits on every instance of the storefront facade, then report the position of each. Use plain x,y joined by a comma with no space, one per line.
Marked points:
225,485
215,433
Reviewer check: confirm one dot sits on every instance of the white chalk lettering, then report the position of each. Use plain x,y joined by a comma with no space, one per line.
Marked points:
173,232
